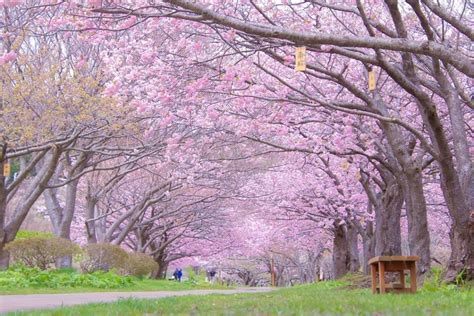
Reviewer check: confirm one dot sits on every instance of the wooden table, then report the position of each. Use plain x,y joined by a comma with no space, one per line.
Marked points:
398,264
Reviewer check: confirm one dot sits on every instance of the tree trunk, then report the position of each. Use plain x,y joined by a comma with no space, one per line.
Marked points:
368,240
340,252
160,259
4,255
160,273
462,252
418,235
4,258
461,233
33,191
55,212
61,217
451,179
66,261
353,245
90,223
387,222
462,230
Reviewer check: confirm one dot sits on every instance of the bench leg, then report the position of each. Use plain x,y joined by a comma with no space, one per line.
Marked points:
402,278
413,277
373,269
381,277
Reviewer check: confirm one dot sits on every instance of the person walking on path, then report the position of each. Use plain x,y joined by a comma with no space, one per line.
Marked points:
212,276
179,274
175,274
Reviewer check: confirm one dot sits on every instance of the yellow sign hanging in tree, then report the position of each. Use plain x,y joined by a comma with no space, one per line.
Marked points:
371,80
345,165
300,58
6,169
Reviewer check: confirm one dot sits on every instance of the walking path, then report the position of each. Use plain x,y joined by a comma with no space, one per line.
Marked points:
10,303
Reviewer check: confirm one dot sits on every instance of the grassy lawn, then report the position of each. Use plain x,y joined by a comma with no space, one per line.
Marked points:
326,298
139,285
21,280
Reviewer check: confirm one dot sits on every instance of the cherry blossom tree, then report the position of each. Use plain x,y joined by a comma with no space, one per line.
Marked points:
217,113
431,73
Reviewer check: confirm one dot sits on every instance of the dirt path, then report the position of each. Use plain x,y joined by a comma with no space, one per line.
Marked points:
10,303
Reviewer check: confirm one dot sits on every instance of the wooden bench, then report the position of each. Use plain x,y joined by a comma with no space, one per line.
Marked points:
398,264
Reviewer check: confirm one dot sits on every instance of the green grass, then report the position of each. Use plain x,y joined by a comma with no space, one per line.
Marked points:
324,298
21,280
144,285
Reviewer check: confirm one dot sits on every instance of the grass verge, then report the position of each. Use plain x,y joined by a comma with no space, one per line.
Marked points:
144,285
21,280
325,298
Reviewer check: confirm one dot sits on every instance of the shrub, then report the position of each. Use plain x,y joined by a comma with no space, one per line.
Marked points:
40,252
140,264
193,276
434,282
23,277
103,257
24,234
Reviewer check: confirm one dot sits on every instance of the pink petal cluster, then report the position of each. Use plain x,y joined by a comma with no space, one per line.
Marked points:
8,57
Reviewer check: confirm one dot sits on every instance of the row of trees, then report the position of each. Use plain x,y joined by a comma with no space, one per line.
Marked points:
151,125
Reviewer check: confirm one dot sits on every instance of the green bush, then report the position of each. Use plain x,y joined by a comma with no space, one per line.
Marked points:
24,234
434,282
40,252
103,257
139,264
23,277
192,275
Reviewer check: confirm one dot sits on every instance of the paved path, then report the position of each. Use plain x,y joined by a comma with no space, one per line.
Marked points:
9,303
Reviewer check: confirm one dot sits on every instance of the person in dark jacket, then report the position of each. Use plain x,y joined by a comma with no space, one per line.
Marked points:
180,274
175,274
212,276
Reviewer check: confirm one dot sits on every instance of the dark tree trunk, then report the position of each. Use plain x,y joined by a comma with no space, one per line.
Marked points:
451,185
340,252
32,192
418,234
387,203
453,172
368,240
410,179
90,219
353,245
462,227
159,258
387,222
160,273
4,255
66,261
4,259
62,216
